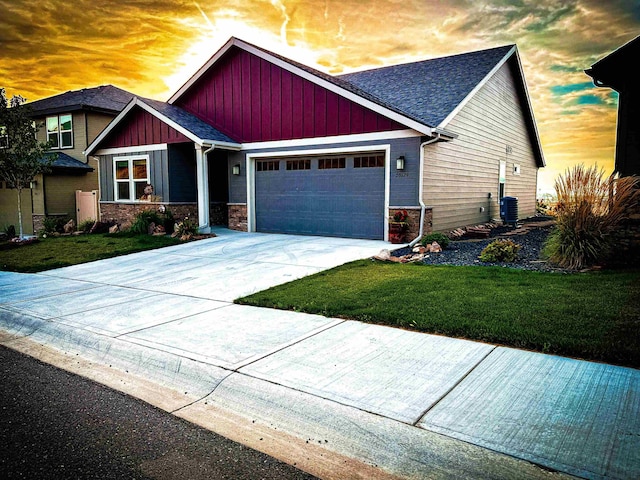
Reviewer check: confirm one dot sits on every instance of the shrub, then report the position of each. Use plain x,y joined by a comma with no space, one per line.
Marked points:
86,225
500,251
142,221
441,238
185,229
10,231
590,209
52,225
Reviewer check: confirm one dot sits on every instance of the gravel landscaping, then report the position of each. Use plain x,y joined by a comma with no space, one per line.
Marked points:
466,252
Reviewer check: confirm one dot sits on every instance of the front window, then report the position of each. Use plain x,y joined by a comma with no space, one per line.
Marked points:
131,176
60,131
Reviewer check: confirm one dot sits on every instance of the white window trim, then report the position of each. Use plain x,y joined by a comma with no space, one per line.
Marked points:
130,180
60,131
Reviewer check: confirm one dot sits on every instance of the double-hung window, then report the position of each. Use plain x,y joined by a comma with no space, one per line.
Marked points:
131,176
60,131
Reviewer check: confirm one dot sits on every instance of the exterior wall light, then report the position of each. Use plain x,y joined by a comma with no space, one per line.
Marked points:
400,163
236,169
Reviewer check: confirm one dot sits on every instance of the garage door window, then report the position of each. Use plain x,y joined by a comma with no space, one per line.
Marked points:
304,164
267,165
327,163
371,161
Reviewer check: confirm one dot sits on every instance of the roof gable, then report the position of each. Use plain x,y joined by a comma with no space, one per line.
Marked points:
149,122
430,90
255,100
105,99
618,69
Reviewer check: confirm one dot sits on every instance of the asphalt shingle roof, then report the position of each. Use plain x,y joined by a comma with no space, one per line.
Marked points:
428,91
64,161
105,98
188,121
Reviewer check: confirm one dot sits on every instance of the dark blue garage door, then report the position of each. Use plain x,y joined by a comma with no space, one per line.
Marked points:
338,196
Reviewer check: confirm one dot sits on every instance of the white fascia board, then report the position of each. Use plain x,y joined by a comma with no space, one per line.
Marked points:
420,127
302,142
133,149
481,84
530,107
110,126
201,71
191,136
222,145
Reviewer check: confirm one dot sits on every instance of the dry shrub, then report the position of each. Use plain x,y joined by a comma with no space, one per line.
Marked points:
591,206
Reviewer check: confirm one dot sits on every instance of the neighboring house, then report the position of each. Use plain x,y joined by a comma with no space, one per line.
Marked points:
70,121
618,71
262,143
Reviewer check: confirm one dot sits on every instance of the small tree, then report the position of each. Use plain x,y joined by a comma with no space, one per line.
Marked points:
22,157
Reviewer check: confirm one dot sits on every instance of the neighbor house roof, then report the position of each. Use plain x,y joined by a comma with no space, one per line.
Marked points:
615,69
64,162
104,99
430,90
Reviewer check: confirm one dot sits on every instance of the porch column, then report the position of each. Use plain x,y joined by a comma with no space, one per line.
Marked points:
202,175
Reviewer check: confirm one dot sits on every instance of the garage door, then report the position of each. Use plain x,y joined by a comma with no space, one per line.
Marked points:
339,196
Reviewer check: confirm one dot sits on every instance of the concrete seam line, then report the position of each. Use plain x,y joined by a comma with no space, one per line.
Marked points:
170,321
312,334
430,407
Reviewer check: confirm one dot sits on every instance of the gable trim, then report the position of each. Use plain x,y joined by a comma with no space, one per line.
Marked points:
134,149
413,124
477,88
140,103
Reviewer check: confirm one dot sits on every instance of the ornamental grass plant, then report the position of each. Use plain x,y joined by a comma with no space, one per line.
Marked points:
590,208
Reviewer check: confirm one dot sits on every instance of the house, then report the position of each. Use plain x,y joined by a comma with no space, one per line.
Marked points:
70,121
617,71
262,143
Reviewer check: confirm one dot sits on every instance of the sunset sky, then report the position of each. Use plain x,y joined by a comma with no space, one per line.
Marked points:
152,47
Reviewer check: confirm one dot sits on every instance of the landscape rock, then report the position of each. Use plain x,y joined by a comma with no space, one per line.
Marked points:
70,226
114,229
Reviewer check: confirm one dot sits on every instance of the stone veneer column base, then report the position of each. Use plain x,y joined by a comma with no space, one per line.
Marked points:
238,217
124,213
413,219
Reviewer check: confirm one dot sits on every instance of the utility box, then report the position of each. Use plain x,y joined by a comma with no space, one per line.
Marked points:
509,210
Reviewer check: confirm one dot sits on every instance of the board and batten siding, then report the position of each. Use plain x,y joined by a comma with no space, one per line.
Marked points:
252,100
158,172
459,175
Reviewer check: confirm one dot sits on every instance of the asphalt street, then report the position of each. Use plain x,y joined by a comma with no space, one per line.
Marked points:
57,425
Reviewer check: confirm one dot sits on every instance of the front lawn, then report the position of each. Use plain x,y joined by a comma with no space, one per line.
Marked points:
593,316
55,252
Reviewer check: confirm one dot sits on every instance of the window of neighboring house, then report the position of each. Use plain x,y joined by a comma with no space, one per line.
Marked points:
60,131
4,138
131,176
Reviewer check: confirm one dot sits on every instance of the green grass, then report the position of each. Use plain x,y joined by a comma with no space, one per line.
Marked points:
593,316
55,252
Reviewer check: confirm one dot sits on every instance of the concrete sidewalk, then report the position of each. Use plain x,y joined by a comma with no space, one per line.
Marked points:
339,399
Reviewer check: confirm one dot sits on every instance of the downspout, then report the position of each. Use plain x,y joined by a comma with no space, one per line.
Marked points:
423,207
205,161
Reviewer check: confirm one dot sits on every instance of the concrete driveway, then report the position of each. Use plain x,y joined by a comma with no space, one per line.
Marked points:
338,398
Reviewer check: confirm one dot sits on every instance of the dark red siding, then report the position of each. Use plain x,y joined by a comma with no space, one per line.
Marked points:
252,100
141,128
